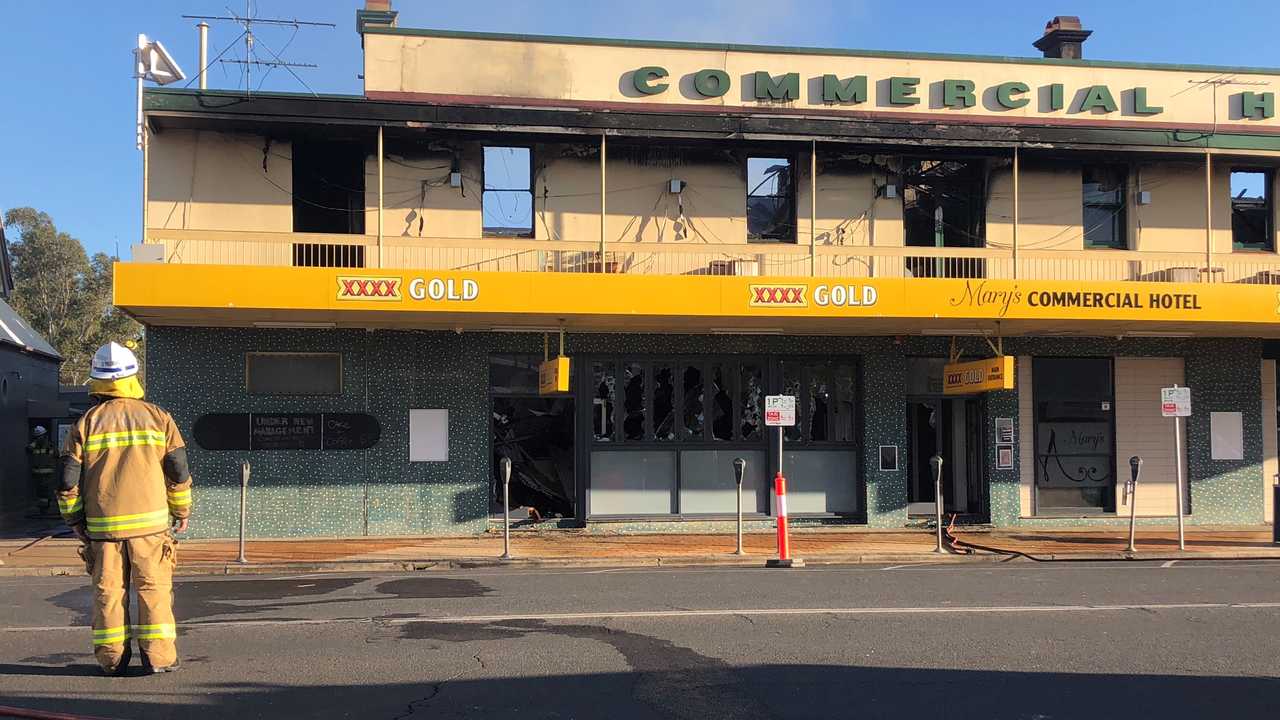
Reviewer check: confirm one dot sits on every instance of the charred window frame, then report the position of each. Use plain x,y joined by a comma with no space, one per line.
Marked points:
771,199
328,187
1105,194
958,188
506,203
1252,209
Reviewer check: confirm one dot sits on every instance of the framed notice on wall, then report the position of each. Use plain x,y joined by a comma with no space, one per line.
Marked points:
888,458
1004,430
1004,457
428,435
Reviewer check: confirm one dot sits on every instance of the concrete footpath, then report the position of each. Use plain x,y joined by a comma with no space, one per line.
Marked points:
568,548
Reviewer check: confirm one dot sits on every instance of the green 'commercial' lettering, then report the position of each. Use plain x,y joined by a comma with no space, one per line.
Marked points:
644,77
711,82
852,90
1098,96
785,88
1055,97
1140,105
902,90
1251,104
1005,95
958,93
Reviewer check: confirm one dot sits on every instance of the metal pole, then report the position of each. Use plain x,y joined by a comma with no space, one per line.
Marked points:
1177,459
504,466
813,207
204,53
1208,219
244,507
936,462
380,154
604,150
1015,211
1131,489
739,469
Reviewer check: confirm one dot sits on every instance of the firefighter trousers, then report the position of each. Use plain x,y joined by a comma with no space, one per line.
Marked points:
146,565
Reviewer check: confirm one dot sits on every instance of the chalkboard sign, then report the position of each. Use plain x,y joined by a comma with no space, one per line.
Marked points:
286,431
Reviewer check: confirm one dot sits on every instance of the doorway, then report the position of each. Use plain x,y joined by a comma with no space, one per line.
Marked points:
950,427
536,432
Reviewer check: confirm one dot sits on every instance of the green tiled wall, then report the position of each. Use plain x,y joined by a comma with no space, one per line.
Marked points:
192,371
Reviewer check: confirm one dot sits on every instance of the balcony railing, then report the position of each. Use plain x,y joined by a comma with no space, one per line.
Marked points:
828,261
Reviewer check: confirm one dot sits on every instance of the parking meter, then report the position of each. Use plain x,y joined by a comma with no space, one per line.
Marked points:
739,469
504,468
935,462
1131,498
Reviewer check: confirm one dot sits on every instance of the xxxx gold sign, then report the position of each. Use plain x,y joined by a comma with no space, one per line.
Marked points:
978,376
778,296
369,288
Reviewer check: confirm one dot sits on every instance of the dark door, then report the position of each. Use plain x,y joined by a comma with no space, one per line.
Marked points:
952,428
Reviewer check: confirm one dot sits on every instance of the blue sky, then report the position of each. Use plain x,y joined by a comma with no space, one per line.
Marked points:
67,112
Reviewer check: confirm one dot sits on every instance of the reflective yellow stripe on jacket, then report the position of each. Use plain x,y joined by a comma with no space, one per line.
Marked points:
110,636
125,438
154,632
158,518
72,505
179,498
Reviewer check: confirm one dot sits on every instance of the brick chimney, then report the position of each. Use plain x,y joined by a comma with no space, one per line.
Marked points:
376,13
1063,38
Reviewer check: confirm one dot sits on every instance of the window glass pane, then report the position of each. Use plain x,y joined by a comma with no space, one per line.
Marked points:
602,384
707,484
664,403
507,201
1104,206
513,374
1074,426
294,373
632,482
751,397
693,412
1251,222
791,386
843,404
506,168
633,401
770,199
819,402
508,212
821,481
721,404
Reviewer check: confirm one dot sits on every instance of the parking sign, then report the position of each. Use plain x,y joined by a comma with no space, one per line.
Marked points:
1175,402
780,410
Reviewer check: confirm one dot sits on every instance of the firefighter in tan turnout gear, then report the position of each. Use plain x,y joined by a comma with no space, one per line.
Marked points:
125,483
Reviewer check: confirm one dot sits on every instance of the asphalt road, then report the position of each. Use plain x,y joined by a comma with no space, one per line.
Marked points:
1017,640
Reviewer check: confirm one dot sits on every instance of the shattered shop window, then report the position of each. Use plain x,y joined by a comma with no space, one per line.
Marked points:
1252,210
771,200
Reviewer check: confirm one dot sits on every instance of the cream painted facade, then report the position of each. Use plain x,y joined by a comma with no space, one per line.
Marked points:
562,70
204,180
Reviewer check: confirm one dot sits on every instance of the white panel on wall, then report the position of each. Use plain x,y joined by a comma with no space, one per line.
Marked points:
1226,436
428,435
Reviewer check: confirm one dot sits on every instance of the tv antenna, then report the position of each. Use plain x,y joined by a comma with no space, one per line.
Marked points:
1215,82
252,44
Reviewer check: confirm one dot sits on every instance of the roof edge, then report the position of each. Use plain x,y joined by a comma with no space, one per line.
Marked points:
802,50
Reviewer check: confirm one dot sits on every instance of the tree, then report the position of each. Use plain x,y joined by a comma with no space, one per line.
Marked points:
63,293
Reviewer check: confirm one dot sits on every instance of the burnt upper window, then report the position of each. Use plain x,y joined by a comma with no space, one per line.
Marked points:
1252,210
944,202
507,204
771,200
328,187
1104,206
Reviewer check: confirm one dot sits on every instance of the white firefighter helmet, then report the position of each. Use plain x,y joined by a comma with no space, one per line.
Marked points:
38,431
112,362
